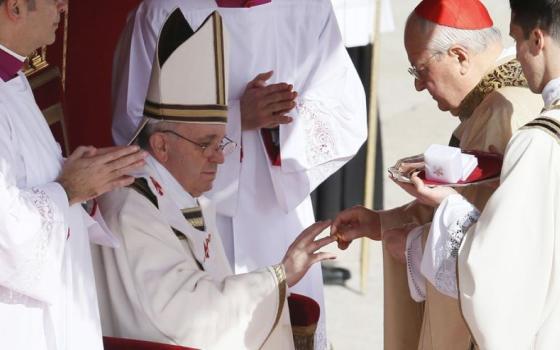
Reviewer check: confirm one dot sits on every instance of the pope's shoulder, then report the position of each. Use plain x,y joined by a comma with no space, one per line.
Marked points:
125,202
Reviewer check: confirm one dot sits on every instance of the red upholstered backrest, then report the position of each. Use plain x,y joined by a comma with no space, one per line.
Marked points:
111,343
93,30
304,311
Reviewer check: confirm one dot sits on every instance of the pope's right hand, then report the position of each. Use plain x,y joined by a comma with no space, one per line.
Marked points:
356,222
302,253
89,172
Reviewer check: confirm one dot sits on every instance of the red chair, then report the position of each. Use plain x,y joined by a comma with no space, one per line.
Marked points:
304,315
111,343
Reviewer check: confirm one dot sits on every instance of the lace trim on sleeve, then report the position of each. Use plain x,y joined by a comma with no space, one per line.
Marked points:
31,266
446,274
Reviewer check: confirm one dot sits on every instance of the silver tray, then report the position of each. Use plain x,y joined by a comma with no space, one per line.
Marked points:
404,168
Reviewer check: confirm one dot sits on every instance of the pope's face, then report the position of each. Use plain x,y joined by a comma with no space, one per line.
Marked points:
531,60
194,168
438,73
41,19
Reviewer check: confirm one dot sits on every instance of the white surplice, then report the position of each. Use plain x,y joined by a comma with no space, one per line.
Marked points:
509,261
262,207
172,283
47,291
356,20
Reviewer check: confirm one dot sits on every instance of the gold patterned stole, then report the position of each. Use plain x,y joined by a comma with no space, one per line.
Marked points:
507,74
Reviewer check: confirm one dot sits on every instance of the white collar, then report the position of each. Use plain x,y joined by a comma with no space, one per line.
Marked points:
551,92
19,57
172,187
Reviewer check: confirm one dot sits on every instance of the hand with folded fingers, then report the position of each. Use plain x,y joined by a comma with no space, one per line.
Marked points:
266,106
90,172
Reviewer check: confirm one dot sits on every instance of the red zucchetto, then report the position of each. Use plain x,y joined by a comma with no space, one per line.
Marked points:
460,14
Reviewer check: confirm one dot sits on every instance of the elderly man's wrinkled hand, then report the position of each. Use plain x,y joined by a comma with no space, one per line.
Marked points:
90,172
266,106
356,222
431,196
303,252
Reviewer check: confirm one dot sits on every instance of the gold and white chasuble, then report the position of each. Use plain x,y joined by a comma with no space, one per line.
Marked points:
172,283
262,207
500,104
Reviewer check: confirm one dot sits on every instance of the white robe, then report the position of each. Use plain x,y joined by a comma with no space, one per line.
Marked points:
263,207
47,292
509,261
161,288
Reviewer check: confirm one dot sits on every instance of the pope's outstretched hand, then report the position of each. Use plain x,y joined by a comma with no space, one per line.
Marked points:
303,252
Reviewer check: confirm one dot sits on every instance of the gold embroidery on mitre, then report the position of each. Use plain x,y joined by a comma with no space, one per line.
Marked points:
507,74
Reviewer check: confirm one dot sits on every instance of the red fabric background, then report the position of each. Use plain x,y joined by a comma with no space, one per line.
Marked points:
93,31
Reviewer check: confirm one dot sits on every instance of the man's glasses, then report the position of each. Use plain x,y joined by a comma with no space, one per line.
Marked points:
226,145
417,71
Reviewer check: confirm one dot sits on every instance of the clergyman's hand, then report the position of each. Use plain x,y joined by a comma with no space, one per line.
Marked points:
356,222
265,106
90,172
431,196
302,253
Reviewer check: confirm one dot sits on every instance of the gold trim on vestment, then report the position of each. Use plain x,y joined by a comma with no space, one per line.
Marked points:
280,275
219,59
281,280
507,74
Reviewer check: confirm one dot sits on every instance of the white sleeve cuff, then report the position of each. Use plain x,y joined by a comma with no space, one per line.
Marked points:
452,219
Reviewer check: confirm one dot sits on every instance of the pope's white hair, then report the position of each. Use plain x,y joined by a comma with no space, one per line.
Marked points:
475,41
153,126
